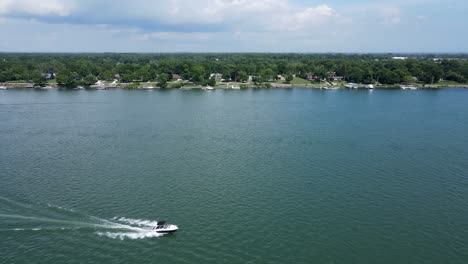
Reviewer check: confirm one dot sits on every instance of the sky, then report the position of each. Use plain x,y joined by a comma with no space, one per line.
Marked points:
362,26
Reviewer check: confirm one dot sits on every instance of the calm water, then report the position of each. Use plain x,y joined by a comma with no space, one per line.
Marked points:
256,176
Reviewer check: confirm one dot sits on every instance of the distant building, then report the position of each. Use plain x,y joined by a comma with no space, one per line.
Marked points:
217,76
399,58
281,78
117,76
337,78
176,77
312,77
48,76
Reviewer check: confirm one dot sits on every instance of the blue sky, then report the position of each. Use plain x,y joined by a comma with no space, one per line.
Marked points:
233,26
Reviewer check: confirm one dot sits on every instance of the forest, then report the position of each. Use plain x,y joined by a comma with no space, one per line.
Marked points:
70,70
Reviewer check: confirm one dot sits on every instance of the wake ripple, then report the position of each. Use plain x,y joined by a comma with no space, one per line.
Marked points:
24,217
139,229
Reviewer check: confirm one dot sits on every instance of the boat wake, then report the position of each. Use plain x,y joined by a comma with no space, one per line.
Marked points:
23,217
130,228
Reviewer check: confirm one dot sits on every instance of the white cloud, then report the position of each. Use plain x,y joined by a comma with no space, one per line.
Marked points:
211,25
308,18
177,36
36,8
178,15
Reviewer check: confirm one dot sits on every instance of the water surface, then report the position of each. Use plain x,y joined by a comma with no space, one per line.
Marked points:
251,176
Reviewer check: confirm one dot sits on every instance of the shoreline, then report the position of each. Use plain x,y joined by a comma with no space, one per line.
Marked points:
9,85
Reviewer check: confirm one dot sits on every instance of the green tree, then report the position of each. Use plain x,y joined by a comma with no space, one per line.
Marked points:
162,80
242,76
39,80
198,73
453,76
289,78
389,77
89,80
211,81
67,79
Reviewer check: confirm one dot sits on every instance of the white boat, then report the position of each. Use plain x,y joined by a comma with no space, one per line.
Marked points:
3,88
148,88
100,85
163,227
352,85
370,86
208,88
408,87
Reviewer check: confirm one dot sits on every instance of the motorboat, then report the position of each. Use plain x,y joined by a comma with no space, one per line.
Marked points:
3,88
352,86
408,87
163,227
370,86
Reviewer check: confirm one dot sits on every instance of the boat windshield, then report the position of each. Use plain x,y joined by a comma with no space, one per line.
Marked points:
160,225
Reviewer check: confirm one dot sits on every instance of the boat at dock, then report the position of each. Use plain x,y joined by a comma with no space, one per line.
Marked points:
352,86
408,87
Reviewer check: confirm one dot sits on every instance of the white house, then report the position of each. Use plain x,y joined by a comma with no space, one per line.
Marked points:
217,76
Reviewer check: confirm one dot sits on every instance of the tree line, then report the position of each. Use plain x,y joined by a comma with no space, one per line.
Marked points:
71,70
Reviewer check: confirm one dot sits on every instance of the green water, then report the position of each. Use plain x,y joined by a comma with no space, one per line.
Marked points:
254,176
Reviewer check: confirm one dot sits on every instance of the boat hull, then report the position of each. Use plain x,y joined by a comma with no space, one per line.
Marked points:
166,231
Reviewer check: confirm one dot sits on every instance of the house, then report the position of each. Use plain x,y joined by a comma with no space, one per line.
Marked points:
217,76
337,78
399,58
48,76
312,77
117,76
281,78
176,77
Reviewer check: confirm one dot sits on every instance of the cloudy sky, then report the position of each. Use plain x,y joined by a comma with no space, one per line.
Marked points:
233,26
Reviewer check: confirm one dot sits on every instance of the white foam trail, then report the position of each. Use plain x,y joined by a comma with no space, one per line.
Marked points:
130,235
137,222
136,226
118,227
